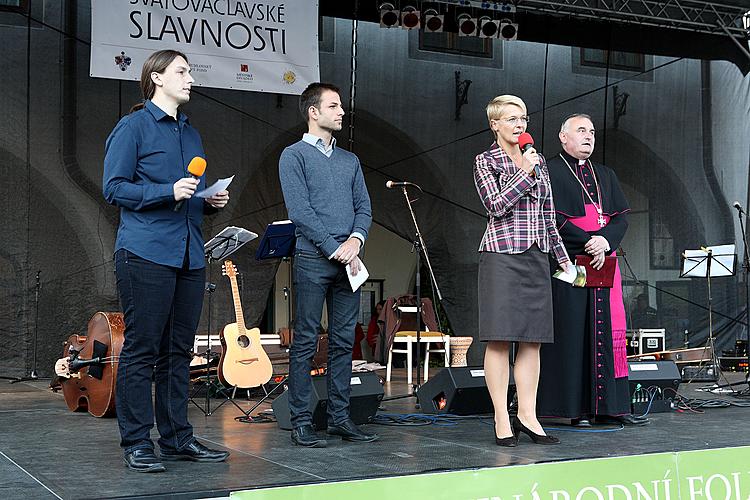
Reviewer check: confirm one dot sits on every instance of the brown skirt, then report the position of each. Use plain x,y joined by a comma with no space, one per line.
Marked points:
515,297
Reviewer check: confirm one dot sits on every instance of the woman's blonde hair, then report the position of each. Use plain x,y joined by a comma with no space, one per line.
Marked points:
497,105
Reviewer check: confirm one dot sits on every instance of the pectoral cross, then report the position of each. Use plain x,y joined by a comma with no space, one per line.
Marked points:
601,220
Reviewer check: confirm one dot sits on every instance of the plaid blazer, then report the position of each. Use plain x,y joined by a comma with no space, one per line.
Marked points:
519,207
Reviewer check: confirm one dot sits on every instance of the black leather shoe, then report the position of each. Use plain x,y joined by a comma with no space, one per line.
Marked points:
195,452
580,422
305,435
350,432
518,428
629,419
144,460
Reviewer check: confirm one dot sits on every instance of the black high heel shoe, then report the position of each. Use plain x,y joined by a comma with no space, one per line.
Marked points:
509,442
518,428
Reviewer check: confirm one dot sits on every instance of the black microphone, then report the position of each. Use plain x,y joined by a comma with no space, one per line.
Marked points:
738,207
391,185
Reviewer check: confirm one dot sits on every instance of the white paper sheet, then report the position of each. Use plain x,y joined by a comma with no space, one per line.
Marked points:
217,186
361,277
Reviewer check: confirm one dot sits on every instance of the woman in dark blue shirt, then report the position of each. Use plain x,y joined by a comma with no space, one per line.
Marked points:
159,263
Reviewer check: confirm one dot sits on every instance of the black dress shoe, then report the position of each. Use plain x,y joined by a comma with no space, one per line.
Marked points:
518,428
195,452
350,432
305,435
144,460
628,419
580,422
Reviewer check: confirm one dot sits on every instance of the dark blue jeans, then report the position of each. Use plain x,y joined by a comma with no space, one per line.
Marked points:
162,307
317,279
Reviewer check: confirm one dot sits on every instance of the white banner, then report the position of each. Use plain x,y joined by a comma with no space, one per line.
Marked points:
264,46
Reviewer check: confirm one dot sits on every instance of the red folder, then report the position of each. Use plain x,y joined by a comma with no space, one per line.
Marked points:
602,278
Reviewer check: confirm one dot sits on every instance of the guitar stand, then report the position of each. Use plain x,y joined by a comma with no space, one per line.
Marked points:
247,415
210,381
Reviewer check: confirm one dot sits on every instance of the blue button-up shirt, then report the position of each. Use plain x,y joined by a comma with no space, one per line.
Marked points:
146,153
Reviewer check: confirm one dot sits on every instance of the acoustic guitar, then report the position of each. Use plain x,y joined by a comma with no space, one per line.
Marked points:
243,361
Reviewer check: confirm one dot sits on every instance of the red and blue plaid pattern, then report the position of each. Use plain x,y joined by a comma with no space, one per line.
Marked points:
519,207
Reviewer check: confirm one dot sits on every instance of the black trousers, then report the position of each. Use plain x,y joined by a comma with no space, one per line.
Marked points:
162,307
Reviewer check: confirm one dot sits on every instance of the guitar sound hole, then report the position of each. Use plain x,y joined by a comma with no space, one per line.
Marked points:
243,341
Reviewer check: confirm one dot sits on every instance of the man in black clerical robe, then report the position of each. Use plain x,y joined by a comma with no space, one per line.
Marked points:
584,373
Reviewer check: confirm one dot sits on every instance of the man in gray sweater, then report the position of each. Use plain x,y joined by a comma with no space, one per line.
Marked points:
326,197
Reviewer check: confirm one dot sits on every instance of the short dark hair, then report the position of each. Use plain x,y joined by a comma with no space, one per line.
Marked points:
311,96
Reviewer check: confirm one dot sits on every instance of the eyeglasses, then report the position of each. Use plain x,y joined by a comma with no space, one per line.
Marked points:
515,120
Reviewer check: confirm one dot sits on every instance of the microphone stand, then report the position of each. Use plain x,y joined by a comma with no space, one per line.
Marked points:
419,247
33,375
746,272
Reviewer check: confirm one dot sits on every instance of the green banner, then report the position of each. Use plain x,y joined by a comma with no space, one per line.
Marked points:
715,474
722,474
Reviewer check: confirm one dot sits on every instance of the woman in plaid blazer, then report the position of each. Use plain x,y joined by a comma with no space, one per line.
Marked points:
515,298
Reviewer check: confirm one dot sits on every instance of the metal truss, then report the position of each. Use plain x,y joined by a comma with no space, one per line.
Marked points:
691,15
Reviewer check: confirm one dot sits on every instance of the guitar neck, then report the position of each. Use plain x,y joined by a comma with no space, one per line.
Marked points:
237,304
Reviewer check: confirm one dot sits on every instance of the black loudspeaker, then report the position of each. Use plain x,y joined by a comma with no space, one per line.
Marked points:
364,400
649,381
459,391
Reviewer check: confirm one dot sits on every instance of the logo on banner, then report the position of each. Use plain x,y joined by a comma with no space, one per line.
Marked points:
244,75
289,77
122,61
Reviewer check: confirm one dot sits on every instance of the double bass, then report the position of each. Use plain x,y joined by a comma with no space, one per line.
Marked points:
88,370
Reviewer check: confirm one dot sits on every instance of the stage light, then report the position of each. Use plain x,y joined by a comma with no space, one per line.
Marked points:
507,8
410,18
467,25
389,15
488,28
433,22
508,30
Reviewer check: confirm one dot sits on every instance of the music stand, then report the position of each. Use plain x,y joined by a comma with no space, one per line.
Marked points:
278,242
229,240
709,262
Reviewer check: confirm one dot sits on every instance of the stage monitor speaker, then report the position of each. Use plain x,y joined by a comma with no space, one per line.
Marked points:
459,391
364,401
649,381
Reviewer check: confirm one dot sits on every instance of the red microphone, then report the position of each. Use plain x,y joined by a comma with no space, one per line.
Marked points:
525,142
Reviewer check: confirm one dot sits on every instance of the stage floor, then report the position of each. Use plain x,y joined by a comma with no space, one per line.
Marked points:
46,451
